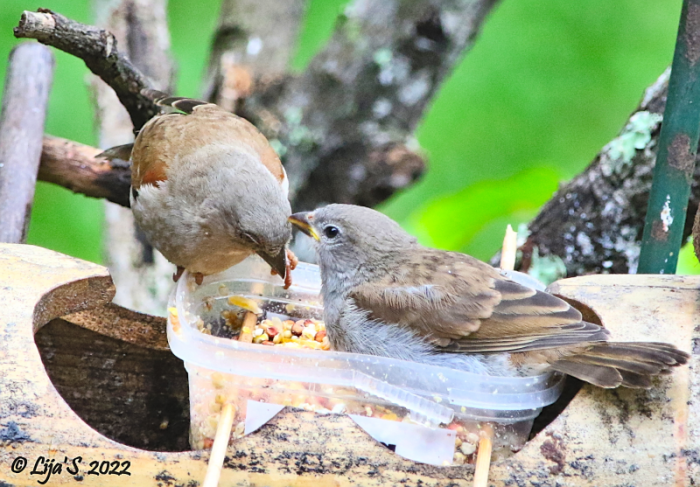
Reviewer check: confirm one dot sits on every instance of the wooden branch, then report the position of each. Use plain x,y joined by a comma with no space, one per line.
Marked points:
344,128
98,48
24,102
594,222
76,167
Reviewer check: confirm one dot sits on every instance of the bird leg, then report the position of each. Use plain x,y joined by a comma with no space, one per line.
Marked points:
292,262
178,274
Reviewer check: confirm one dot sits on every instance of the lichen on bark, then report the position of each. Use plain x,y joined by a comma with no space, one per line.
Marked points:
594,222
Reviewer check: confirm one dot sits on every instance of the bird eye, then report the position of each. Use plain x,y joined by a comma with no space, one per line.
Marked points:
330,231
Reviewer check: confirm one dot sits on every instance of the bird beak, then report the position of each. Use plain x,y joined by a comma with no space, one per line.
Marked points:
278,262
301,221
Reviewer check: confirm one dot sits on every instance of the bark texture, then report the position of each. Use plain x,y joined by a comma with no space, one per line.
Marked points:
344,128
594,223
254,37
24,102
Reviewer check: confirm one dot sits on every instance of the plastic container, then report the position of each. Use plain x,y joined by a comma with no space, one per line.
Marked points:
428,414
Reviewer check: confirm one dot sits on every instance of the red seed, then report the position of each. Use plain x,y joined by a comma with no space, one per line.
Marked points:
298,328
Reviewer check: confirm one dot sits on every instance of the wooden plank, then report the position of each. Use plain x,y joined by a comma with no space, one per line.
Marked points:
603,438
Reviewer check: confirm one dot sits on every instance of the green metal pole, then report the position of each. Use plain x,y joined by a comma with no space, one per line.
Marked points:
678,145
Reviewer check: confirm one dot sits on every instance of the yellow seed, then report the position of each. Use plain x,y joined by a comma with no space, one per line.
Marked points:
261,338
309,332
245,303
217,380
220,399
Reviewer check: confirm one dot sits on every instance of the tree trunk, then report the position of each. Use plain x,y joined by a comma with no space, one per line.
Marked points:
141,274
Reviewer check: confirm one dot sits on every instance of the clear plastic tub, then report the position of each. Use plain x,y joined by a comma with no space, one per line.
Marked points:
428,414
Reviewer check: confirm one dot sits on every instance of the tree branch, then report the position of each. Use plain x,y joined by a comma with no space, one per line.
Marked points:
98,48
22,118
594,223
344,127
76,167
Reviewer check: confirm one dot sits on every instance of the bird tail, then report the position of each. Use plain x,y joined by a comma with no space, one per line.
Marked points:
629,364
186,105
119,152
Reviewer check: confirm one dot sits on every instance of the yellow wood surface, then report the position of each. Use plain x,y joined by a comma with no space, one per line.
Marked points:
603,438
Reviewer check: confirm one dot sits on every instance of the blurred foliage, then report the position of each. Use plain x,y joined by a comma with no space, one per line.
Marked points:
547,84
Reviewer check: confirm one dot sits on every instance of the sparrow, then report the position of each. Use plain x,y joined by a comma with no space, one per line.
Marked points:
385,294
208,190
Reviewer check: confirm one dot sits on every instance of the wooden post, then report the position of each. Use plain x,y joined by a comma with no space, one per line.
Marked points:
24,102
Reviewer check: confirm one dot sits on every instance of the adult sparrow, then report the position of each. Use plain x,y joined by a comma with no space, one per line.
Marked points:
208,190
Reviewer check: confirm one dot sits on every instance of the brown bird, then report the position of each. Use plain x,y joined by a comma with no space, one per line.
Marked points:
208,190
384,294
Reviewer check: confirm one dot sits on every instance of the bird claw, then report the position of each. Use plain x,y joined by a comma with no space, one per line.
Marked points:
292,260
178,274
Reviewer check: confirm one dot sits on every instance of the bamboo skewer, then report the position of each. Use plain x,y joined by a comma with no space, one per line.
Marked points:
483,457
483,454
218,449
510,246
223,429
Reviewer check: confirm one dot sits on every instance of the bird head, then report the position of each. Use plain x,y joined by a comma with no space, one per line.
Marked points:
254,211
348,237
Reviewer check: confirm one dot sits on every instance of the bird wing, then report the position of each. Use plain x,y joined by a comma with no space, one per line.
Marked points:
464,305
168,139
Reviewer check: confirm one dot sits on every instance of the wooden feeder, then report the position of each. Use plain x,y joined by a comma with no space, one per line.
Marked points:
69,385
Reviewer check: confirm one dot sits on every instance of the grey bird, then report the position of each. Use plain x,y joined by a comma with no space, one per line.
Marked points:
384,294
208,190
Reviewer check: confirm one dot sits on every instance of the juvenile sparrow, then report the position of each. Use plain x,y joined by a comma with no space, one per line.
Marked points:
384,294
208,190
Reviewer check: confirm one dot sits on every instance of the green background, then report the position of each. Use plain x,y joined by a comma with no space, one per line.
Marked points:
547,84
